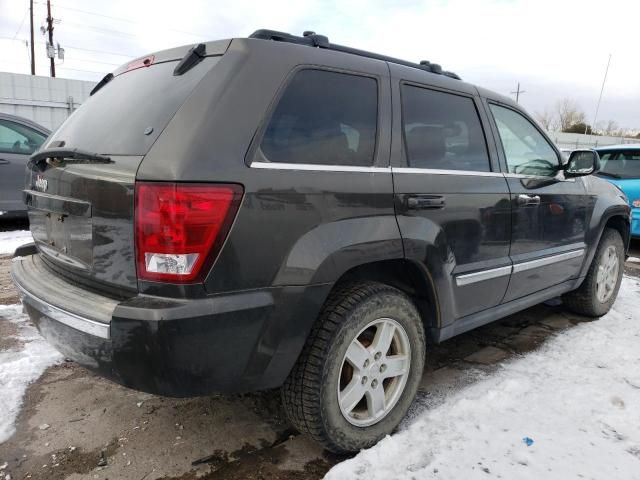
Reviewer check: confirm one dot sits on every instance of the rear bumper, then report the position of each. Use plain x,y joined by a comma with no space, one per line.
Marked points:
221,344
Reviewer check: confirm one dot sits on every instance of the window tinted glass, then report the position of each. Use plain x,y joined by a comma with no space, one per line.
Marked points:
620,164
526,150
442,131
17,138
324,118
113,120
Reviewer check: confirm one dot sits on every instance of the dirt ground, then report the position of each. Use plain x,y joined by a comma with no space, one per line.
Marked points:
75,425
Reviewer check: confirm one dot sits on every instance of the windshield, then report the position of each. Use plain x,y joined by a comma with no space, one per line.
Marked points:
126,116
620,163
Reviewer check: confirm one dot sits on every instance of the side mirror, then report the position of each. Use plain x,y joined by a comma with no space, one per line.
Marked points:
581,163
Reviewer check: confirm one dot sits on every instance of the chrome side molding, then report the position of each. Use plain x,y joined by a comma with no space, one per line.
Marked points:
470,278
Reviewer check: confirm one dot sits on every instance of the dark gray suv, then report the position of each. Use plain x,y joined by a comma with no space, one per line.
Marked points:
282,212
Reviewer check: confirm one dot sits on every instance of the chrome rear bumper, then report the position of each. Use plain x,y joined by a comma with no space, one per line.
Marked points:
60,300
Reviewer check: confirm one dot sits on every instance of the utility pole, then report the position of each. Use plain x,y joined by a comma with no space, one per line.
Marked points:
518,92
33,51
50,28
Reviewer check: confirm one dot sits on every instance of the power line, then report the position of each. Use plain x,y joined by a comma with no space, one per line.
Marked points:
24,17
60,67
127,20
79,48
100,29
81,70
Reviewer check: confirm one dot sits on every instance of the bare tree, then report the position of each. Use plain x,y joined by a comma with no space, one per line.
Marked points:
569,113
546,118
610,127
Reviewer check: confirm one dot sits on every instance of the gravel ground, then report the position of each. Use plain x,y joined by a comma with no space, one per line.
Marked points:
75,425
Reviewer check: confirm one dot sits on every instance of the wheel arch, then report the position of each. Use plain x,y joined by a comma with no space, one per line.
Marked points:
617,218
410,277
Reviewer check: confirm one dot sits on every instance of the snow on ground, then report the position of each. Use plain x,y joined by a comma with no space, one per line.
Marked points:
20,366
9,241
577,399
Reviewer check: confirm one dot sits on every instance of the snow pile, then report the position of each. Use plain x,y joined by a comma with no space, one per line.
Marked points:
9,241
568,410
20,367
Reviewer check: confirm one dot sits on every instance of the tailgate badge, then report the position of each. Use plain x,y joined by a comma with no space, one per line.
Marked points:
41,183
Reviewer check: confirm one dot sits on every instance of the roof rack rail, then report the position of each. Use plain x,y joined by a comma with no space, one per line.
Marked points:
312,39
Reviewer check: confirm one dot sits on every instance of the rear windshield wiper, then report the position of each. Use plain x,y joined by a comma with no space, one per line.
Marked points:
607,174
106,79
59,155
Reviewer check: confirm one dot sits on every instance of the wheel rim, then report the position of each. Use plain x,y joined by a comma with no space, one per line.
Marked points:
607,276
374,372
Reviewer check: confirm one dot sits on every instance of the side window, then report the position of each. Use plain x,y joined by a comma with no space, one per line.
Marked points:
526,150
442,131
16,138
326,118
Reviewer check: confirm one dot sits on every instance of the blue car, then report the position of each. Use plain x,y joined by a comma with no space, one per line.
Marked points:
620,164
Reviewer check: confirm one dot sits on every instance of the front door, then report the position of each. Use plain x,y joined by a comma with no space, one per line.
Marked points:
452,204
550,214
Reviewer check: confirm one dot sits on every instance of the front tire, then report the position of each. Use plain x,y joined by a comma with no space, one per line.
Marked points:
359,370
600,288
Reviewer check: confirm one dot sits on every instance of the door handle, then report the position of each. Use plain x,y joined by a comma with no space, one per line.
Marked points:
525,200
425,202
4,162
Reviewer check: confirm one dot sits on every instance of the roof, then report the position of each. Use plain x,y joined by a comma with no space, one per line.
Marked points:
623,146
311,39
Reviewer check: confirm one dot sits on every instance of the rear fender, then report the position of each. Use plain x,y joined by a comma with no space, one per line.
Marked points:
325,253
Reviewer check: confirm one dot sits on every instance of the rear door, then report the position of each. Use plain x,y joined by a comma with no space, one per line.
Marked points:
17,142
452,203
550,213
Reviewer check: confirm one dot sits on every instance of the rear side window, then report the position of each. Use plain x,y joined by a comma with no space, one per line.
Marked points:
325,118
442,131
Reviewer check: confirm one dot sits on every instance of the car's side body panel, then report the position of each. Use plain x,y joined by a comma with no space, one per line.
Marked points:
299,230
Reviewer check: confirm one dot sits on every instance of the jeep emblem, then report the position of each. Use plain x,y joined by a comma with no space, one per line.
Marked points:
41,183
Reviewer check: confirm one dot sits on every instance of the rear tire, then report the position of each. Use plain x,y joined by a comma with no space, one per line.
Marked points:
343,390
600,288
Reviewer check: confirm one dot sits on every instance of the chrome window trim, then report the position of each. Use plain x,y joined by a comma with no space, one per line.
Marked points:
542,262
318,167
76,322
538,177
435,171
469,278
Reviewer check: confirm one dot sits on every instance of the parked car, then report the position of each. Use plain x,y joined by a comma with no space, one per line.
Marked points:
19,138
282,212
620,164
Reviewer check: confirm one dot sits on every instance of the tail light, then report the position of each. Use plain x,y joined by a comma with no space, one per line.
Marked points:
180,228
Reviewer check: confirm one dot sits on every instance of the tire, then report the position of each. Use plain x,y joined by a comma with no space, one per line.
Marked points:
586,299
310,394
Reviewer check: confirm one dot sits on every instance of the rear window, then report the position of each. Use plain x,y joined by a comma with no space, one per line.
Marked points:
117,118
326,118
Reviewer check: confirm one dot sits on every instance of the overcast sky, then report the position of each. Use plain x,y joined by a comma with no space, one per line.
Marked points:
554,48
